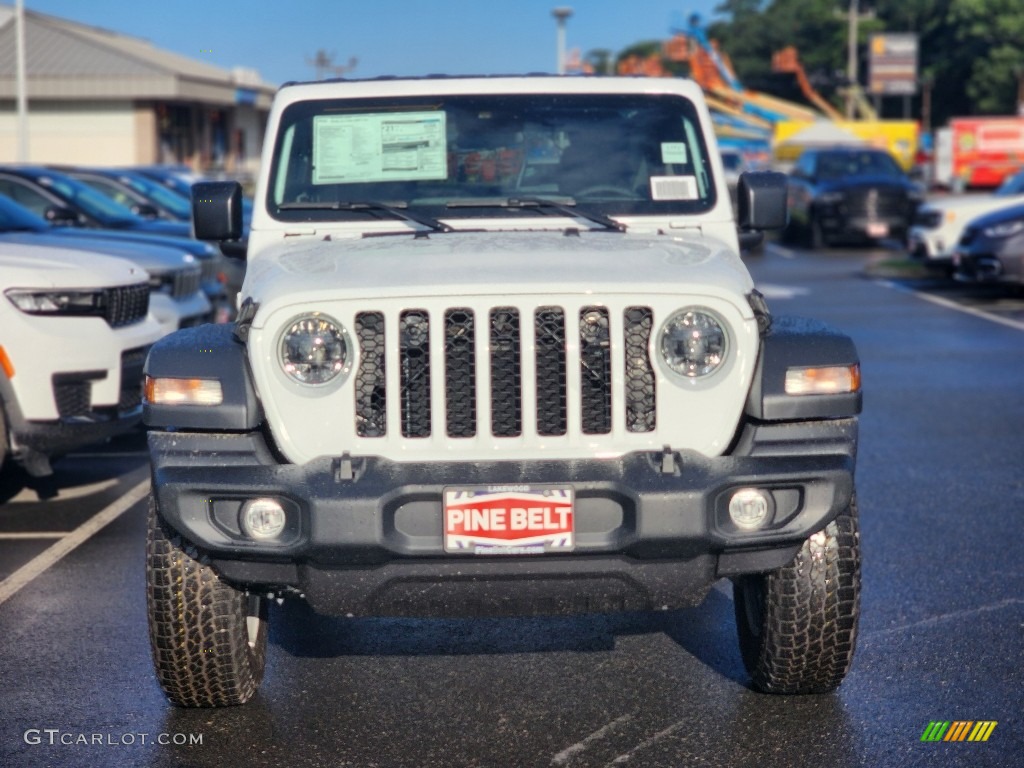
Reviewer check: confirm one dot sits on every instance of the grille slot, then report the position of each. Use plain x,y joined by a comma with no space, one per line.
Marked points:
371,387
125,304
640,387
185,282
551,371
208,266
595,371
460,372
506,373
875,202
414,372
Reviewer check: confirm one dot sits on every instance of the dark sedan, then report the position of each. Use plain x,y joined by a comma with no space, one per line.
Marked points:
62,200
991,248
851,194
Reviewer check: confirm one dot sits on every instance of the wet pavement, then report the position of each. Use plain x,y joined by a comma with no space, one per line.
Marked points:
941,496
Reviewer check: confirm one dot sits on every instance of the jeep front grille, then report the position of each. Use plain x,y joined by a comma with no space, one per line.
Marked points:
185,282
513,385
125,304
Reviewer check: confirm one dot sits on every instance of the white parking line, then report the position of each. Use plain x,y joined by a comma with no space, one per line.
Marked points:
948,304
63,494
37,535
562,757
81,534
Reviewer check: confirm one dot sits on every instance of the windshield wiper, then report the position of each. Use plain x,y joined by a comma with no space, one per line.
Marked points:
395,209
565,206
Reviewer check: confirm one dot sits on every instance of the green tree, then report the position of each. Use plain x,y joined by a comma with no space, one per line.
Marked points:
988,36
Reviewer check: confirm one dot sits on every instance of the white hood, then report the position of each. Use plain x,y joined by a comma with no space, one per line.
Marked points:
487,263
37,266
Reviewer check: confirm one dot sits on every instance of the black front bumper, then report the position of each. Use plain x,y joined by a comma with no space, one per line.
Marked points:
365,534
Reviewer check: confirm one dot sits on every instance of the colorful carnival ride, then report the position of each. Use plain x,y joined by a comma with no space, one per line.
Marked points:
764,127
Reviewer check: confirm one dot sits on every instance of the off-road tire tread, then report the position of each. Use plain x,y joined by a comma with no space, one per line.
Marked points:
197,625
808,634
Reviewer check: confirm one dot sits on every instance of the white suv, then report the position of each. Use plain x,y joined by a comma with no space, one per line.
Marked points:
498,355
75,328
939,223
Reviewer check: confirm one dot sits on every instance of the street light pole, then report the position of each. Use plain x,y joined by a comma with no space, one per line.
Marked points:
851,56
21,86
561,14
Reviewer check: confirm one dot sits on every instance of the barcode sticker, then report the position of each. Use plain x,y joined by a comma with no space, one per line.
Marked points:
674,188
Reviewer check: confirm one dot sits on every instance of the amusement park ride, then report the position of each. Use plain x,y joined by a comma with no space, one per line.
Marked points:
766,127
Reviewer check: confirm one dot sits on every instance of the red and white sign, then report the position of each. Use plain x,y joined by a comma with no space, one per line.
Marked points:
508,520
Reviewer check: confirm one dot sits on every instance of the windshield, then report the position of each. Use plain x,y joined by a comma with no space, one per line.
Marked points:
94,203
838,165
161,195
14,217
1012,185
613,154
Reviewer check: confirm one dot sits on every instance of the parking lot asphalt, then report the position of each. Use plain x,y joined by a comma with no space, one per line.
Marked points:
941,636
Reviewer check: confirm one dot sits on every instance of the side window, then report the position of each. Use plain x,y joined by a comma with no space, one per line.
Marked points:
111,190
25,196
805,166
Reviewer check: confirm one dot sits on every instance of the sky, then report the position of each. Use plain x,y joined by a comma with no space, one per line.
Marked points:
394,37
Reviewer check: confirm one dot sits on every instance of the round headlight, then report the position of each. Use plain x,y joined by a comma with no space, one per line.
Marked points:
693,343
313,349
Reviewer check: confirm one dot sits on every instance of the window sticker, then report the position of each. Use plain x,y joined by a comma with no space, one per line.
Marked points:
674,188
393,146
673,152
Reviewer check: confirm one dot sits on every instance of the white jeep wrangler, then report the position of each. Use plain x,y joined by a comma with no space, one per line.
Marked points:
497,354
75,328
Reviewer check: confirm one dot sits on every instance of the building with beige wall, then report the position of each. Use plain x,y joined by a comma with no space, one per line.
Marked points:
96,97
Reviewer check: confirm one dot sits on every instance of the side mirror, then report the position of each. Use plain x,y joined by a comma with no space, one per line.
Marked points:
145,210
61,216
217,210
761,200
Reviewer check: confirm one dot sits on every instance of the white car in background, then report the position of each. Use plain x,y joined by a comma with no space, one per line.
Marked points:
939,223
75,328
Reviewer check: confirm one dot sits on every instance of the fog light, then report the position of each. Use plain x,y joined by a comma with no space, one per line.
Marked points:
749,508
262,518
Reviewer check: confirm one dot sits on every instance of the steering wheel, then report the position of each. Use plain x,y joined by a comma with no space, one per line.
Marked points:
621,193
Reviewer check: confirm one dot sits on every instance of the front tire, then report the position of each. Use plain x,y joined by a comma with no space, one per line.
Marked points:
209,639
797,625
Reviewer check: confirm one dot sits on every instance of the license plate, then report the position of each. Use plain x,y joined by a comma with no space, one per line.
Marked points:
508,520
878,229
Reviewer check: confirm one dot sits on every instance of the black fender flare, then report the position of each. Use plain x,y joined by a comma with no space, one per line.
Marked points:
204,352
797,342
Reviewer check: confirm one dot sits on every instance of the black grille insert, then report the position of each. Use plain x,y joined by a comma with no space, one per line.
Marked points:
506,373
551,371
125,304
370,386
595,371
640,387
460,372
414,372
